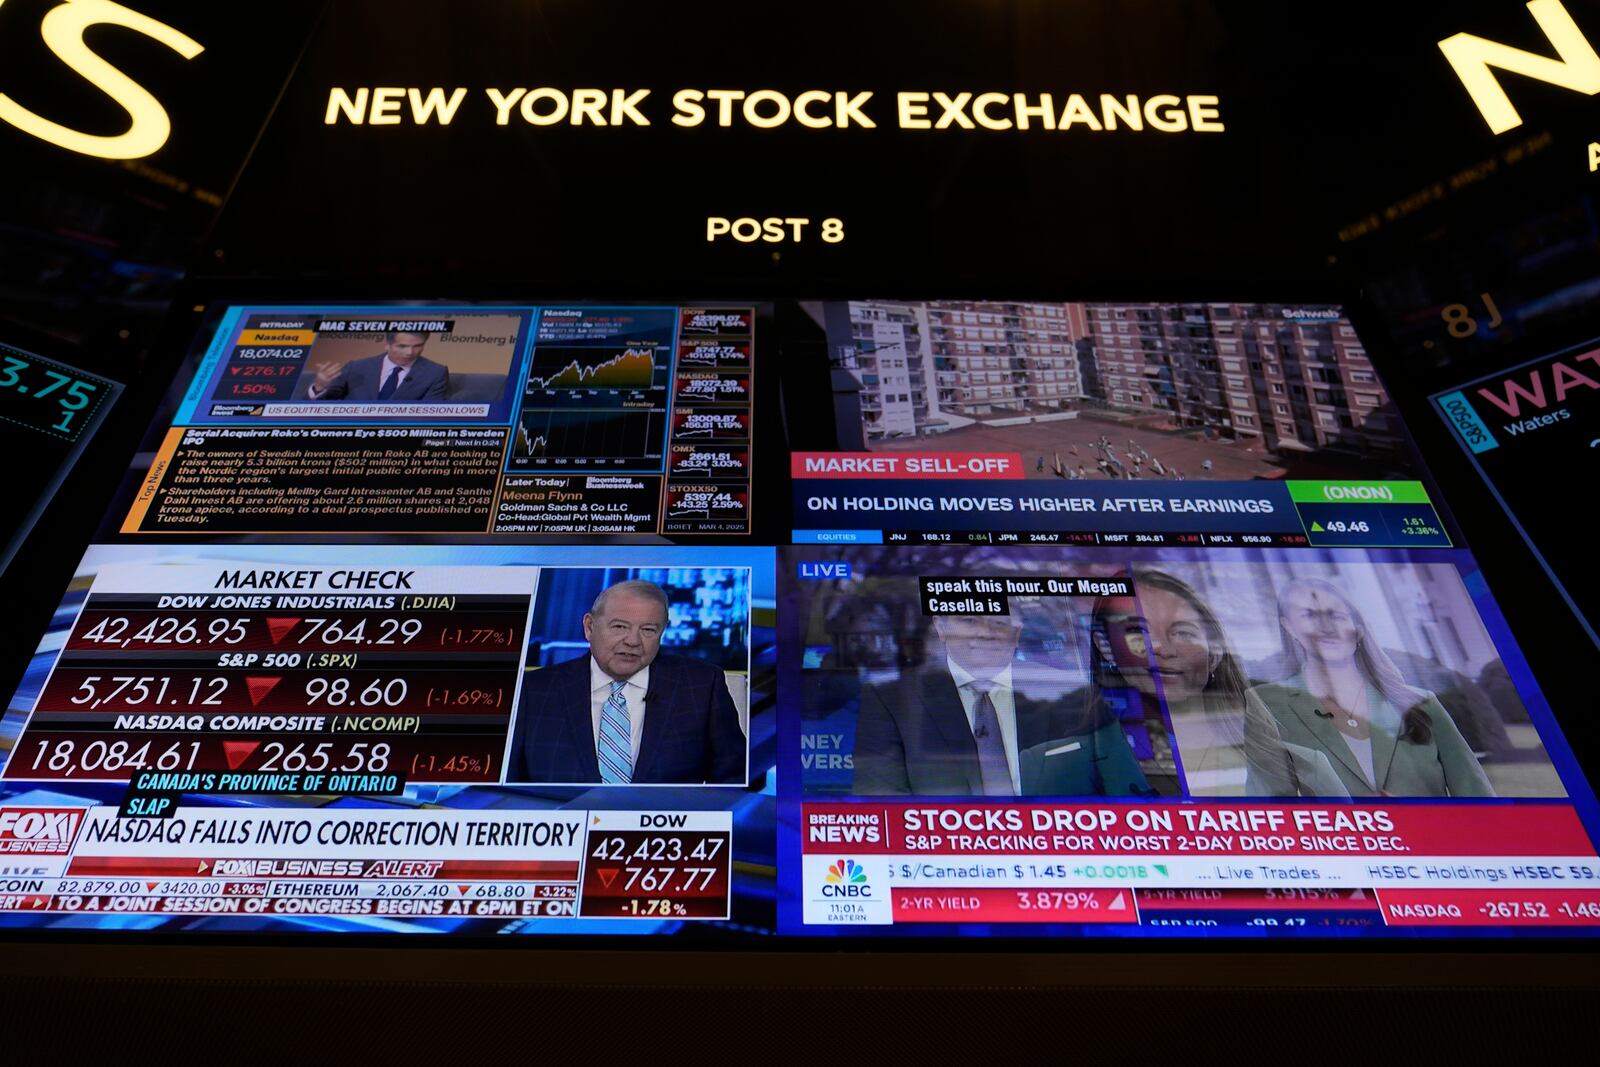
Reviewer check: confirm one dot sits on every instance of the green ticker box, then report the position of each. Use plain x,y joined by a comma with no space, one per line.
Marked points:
1358,493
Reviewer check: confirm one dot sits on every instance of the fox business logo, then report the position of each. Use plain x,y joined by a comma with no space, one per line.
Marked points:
846,878
49,831
63,28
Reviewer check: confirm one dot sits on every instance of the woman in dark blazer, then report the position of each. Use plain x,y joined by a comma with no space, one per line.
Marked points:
1348,700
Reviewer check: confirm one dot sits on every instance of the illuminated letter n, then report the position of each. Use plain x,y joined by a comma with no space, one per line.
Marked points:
1577,68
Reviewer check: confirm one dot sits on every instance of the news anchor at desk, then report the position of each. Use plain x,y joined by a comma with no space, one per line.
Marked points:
627,713
961,728
398,374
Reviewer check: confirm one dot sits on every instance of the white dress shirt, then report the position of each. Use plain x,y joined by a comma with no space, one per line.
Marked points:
1361,749
384,370
633,691
1005,709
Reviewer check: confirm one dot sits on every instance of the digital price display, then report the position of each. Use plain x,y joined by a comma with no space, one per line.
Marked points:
48,412
49,397
653,864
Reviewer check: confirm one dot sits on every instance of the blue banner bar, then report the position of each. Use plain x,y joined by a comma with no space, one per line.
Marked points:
1042,504
838,537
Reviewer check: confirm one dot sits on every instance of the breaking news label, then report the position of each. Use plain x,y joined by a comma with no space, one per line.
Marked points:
526,864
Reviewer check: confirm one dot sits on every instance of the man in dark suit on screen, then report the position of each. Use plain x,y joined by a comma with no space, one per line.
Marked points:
398,374
962,726
625,713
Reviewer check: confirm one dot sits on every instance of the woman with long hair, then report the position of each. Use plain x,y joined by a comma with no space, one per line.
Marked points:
1173,648
1348,700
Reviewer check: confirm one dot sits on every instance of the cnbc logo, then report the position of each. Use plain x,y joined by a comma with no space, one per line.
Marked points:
845,878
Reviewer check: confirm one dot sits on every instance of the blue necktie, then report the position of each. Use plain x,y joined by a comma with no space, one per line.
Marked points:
390,384
615,747
993,769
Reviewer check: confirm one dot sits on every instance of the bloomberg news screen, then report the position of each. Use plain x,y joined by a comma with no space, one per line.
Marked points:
1090,620
531,420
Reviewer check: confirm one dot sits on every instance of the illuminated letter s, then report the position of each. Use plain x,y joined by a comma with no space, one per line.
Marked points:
62,30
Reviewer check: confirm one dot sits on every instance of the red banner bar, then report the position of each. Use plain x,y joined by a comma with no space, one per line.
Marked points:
915,465
1398,832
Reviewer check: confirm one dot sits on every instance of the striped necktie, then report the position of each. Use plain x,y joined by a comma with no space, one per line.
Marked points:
993,768
615,747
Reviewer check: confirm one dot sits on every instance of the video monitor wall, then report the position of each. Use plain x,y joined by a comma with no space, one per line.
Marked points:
1093,620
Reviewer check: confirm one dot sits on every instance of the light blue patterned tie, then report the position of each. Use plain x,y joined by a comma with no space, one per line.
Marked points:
616,739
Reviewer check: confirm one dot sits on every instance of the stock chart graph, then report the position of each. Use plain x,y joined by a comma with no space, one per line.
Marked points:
598,392
588,438
586,368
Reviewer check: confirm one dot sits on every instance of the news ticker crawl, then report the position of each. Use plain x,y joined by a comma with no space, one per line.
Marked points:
1291,865
527,864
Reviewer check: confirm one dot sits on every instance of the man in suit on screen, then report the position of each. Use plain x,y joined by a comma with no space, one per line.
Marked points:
627,713
399,374
964,725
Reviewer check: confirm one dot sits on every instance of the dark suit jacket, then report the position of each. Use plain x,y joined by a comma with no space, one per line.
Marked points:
362,378
1441,766
1092,763
912,736
691,727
